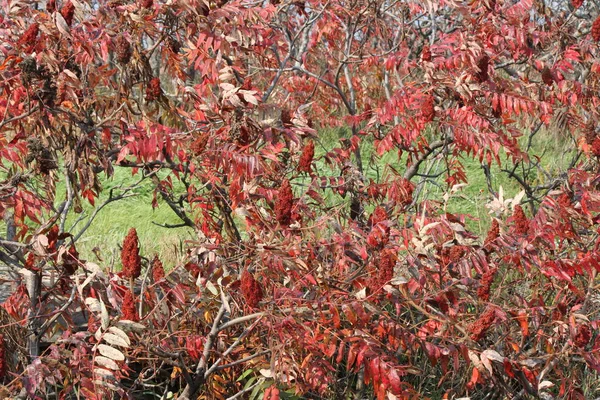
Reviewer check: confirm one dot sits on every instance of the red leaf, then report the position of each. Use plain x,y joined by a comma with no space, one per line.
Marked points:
335,316
350,314
524,324
272,393
474,378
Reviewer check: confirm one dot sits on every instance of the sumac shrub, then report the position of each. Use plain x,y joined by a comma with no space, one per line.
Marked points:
315,153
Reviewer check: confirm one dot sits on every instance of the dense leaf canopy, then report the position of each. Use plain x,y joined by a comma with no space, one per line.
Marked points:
317,271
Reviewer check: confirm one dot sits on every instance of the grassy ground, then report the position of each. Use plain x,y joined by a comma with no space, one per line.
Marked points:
114,221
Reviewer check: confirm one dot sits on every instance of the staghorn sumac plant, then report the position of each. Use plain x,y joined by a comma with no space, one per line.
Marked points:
314,268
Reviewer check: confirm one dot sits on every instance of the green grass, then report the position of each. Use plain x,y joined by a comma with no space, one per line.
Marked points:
112,223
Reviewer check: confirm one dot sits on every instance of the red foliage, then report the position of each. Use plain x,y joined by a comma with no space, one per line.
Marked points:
251,289
158,271
130,256
153,90
308,153
193,269
29,38
272,393
70,260
490,4
401,191
128,309
428,109
51,6
16,304
520,221
30,262
482,324
583,335
247,84
379,236
577,3
194,345
68,11
378,215
284,203
123,50
93,323
564,200
485,283
225,164
199,144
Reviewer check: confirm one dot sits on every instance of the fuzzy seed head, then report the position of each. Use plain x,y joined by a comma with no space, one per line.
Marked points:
590,133
521,223
199,144
492,234
308,153
130,256
456,253
596,147
128,307
485,283
385,270
481,325
158,271
251,289
29,37
284,203
123,50
428,109
596,30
